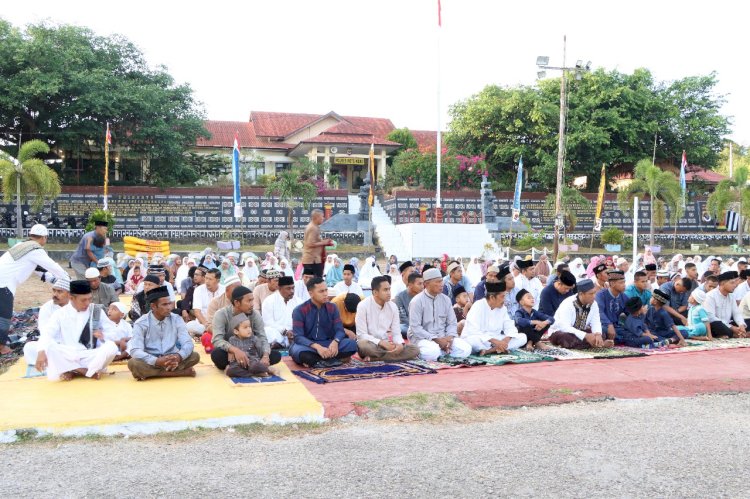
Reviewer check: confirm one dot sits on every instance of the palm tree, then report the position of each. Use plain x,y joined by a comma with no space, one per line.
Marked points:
293,187
29,177
570,201
661,186
731,192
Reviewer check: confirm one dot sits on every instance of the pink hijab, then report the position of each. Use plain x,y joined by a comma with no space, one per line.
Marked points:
590,269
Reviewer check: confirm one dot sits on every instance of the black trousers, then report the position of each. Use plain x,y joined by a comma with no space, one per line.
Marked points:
6,314
317,268
532,334
220,358
719,329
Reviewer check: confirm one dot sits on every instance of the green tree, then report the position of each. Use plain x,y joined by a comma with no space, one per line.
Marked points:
613,118
404,137
571,202
732,193
293,187
28,178
663,189
740,158
62,84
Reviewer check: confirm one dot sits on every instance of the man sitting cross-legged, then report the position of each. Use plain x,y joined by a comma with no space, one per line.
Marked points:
432,322
488,327
277,313
161,346
67,345
378,328
60,298
577,323
243,302
319,338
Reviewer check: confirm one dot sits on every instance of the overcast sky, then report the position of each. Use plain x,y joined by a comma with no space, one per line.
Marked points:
378,58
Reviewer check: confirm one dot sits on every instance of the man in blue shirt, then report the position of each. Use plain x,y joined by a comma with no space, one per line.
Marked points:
532,323
641,288
679,292
611,303
319,338
560,267
454,278
552,296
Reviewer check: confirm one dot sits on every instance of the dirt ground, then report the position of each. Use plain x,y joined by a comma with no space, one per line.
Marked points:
33,292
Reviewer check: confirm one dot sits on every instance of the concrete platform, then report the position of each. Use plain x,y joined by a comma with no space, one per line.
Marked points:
678,375
119,404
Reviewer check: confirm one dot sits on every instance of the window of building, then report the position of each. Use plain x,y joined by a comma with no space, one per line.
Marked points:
251,170
280,167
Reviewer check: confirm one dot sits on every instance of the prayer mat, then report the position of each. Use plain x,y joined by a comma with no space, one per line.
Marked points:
559,353
615,353
512,357
357,371
252,381
437,365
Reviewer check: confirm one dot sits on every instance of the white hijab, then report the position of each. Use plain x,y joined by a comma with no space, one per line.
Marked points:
577,269
329,263
474,271
368,271
287,269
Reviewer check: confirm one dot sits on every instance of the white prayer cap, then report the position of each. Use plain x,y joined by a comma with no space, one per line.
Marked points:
698,295
62,283
432,274
621,260
38,230
91,273
120,306
232,280
742,259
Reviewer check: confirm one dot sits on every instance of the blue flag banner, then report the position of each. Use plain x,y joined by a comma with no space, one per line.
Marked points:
683,183
517,194
236,178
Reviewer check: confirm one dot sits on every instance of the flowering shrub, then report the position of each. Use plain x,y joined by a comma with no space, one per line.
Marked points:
413,168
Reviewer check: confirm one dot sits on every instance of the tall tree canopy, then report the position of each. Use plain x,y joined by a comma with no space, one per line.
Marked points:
62,84
612,119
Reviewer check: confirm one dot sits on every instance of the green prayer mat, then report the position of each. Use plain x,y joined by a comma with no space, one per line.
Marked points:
512,357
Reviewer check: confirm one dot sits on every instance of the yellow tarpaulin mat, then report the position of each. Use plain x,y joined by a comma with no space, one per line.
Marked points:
118,400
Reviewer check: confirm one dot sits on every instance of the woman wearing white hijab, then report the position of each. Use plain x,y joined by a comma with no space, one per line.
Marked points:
329,263
577,269
250,272
368,272
474,271
286,268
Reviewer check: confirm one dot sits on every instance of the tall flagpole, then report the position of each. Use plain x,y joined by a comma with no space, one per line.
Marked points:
107,140
439,144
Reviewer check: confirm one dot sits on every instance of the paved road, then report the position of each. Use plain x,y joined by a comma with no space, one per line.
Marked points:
689,447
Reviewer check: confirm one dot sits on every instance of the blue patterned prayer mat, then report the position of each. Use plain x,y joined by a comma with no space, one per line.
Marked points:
251,381
361,371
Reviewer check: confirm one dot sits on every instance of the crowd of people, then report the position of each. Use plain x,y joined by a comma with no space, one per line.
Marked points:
247,311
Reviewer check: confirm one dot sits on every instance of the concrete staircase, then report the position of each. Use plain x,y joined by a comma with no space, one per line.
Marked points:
388,234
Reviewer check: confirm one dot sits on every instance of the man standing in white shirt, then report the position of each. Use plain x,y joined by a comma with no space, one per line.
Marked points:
488,327
277,313
16,265
577,323
348,285
378,327
201,299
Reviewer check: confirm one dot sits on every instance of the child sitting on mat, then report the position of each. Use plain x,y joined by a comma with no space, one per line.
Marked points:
122,331
244,339
636,334
698,326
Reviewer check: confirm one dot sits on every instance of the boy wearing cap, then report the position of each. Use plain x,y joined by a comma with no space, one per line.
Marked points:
533,323
723,313
67,346
83,257
650,269
489,329
698,326
432,322
16,265
378,327
577,324
461,307
659,322
277,313
119,330
635,333
611,303
348,285
161,346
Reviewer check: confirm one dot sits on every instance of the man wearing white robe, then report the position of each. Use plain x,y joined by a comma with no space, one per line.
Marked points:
277,313
347,285
64,349
488,327
300,287
60,298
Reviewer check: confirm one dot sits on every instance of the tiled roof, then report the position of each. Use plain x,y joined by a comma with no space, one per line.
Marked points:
222,135
347,138
380,127
426,139
280,125
708,176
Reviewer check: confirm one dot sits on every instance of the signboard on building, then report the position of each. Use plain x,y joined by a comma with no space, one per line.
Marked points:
348,161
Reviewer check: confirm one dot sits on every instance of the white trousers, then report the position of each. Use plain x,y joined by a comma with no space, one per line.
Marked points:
480,342
276,336
429,350
30,352
64,358
195,328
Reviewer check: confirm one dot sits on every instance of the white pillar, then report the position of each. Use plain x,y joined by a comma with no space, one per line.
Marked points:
381,164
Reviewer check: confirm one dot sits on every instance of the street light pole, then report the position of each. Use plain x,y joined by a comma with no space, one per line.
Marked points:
542,63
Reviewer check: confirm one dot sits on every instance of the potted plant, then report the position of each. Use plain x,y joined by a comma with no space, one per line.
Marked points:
613,238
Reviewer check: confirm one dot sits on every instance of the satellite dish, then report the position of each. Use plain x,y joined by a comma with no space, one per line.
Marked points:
334,150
